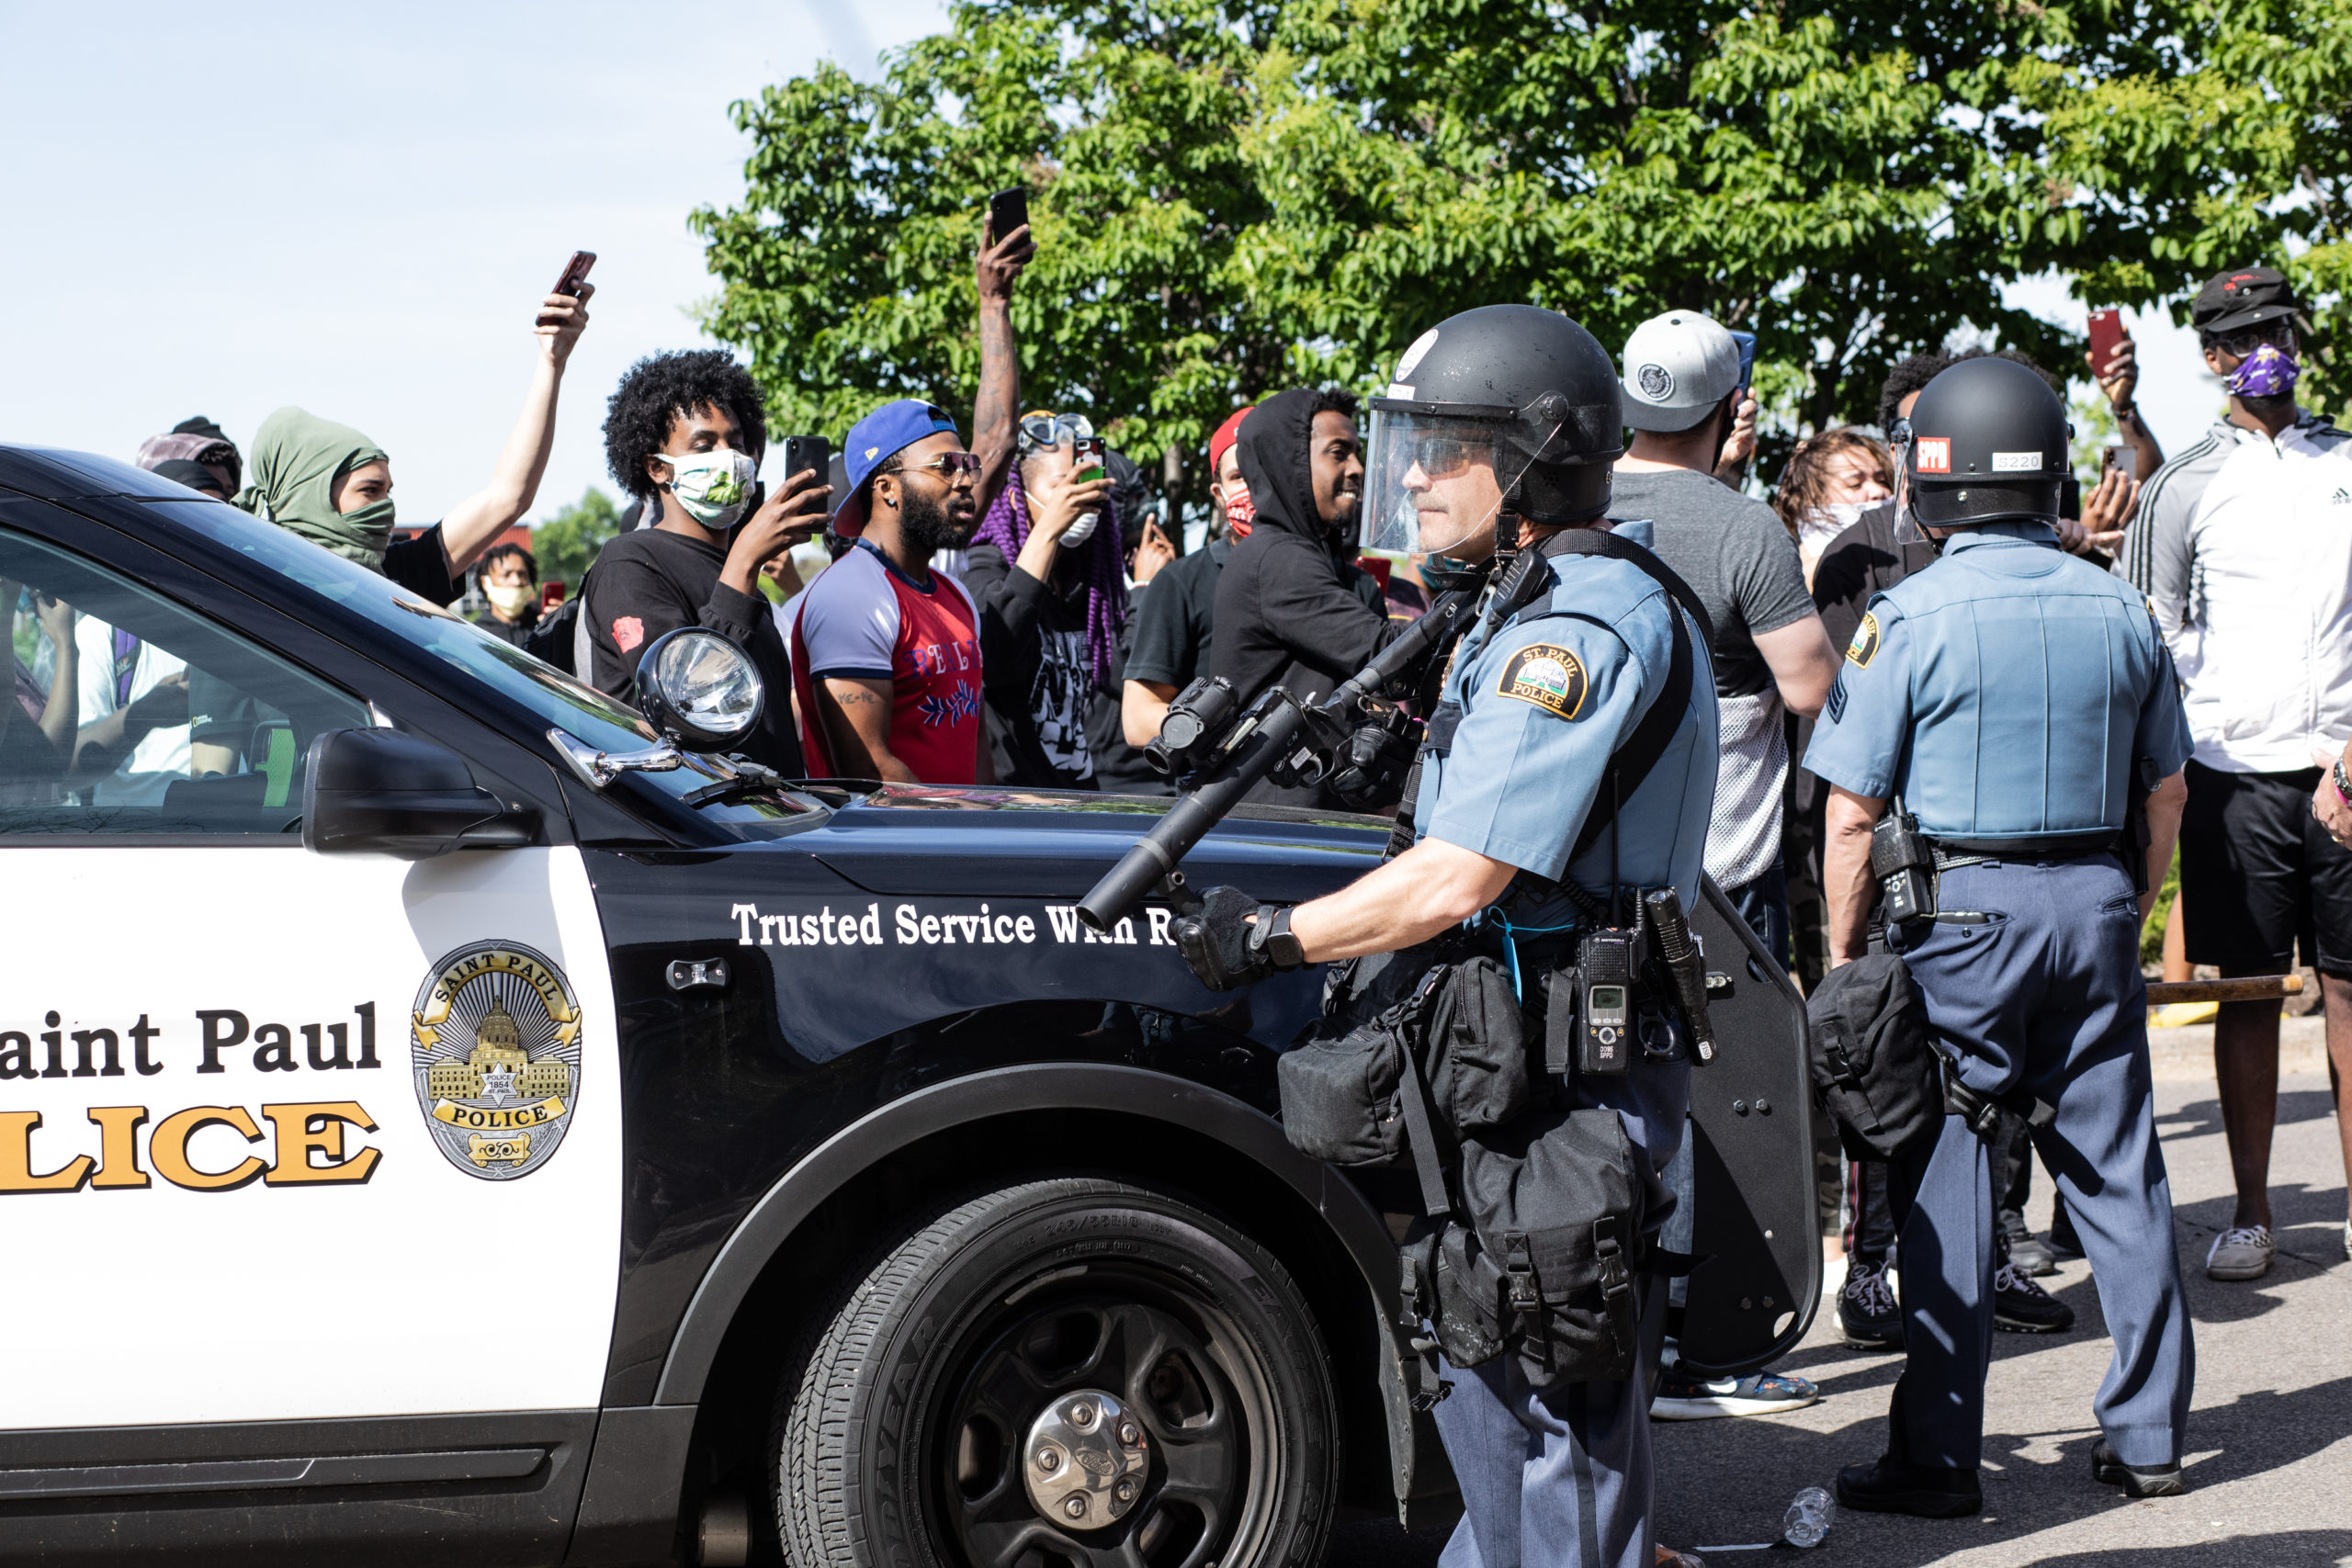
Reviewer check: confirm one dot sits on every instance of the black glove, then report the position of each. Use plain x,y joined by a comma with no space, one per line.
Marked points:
1225,948
1372,766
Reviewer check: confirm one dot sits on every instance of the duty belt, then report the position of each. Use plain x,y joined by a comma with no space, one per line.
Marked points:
1954,853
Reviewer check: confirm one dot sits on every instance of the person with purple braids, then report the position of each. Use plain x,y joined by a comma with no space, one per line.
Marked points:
1044,568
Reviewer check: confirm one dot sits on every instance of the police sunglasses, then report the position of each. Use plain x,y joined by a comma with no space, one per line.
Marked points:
1441,455
1044,429
949,465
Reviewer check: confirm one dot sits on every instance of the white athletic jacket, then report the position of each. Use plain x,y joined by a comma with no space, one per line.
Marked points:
2243,547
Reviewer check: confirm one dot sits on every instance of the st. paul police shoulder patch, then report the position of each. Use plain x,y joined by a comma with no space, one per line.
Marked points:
1864,647
1547,675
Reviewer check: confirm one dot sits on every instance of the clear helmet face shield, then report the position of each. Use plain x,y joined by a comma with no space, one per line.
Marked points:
1433,484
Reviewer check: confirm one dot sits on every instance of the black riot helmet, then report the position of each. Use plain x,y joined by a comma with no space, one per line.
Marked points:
1987,444
1505,408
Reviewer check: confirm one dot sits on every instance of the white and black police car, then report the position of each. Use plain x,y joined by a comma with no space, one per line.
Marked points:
447,1117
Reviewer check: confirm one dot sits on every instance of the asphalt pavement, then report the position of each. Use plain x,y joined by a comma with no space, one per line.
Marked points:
2269,1457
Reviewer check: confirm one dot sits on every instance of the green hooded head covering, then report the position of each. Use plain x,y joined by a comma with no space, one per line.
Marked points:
296,459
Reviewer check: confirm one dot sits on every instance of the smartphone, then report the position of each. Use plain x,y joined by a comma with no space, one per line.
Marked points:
806,454
1747,342
550,595
2106,336
575,273
2123,458
1086,458
1008,210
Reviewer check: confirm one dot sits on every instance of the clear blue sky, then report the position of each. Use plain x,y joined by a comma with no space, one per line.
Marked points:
223,210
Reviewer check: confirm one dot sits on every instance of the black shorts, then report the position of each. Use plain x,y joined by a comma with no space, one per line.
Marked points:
2258,875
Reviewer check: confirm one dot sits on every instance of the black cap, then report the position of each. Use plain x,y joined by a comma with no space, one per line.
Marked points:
2242,296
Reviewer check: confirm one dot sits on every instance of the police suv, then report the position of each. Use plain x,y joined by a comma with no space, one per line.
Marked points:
449,1116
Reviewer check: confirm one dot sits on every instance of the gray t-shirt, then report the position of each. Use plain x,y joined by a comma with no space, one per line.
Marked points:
1739,560
1736,555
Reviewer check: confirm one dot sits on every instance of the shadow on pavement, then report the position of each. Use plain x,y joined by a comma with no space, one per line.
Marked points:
2235,1552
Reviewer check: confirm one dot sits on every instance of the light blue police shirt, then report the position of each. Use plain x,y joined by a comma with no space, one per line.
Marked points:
2005,691
1545,703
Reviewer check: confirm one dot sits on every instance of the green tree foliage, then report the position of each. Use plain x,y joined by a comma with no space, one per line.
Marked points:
2219,141
567,542
1234,196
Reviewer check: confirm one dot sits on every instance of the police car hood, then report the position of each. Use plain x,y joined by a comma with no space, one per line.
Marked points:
912,839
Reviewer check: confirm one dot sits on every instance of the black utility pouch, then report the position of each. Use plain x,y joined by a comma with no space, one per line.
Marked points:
1447,1006
1873,1067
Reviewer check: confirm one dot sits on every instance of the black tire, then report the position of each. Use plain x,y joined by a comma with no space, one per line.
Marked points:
893,1437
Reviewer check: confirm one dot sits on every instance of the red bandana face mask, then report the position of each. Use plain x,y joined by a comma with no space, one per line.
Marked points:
1240,512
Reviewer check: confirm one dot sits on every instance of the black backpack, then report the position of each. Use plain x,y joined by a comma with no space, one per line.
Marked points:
1874,1068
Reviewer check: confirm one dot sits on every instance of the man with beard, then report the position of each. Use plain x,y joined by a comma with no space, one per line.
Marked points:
886,652
1292,608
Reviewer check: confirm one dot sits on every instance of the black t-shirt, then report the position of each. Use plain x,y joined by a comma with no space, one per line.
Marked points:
1117,765
516,632
419,565
1037,670
1170,634
653,582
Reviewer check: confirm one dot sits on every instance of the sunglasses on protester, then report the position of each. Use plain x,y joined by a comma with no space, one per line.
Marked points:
949,465
2279,334
1046,429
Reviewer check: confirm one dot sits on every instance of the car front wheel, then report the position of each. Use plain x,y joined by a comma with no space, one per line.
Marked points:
1071,1372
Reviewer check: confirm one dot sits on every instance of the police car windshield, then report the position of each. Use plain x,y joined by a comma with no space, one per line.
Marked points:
550,695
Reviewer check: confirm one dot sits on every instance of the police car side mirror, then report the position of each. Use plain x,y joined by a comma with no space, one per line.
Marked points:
699,689
380,792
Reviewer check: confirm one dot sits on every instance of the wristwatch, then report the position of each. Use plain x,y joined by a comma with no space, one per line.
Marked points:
1272,936
2342,784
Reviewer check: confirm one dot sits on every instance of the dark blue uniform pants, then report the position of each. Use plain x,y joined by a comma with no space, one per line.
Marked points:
2045,993
1558,1477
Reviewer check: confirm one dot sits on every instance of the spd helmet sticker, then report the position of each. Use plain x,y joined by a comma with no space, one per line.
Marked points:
1864,647
495,1045
1547,675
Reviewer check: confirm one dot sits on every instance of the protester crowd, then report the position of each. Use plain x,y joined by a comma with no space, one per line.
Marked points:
1020,610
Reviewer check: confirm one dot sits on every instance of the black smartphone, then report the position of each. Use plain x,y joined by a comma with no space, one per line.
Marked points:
1008,210
807,454
575,273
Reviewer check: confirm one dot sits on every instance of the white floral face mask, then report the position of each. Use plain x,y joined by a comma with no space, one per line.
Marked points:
714,487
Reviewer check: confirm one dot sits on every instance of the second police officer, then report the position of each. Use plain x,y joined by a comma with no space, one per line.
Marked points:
1542,793
2019,703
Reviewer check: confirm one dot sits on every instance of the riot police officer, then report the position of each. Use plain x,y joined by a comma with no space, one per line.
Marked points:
1547,791
2019,703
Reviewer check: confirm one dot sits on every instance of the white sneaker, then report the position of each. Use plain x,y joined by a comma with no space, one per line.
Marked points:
2241,1252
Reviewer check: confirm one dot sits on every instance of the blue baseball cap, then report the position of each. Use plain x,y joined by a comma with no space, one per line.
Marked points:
874,440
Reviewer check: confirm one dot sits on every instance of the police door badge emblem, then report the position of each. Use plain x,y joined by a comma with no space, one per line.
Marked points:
1865,644
495,1041
1547,675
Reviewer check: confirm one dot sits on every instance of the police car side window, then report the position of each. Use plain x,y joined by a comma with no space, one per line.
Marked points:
129,715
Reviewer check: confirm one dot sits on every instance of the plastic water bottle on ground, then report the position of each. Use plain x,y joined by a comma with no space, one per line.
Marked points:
1807,1521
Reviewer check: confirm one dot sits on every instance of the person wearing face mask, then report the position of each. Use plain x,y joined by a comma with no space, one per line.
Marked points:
2243,547
334,485
1173,626
685,433
1831,480
1046,567
1292,608
510,581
